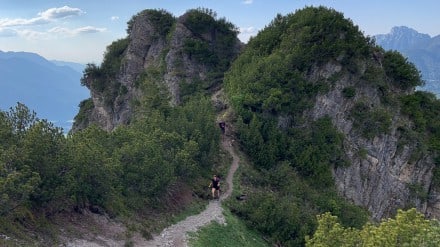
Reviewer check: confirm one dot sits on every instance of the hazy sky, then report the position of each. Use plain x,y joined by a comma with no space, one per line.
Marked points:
80,30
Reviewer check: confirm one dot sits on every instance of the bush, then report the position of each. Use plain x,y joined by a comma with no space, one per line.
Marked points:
404,74
161,20
349,92
409,228
370,122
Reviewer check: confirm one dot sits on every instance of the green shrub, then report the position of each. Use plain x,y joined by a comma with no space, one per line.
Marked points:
404,74
161,20
370,122
409,228
349,92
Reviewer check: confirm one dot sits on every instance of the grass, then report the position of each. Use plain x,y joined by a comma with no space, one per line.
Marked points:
233,234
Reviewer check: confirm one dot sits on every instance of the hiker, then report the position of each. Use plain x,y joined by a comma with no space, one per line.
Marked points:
215,186
222,126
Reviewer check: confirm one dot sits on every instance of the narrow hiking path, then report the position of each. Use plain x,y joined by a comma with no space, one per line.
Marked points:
176,235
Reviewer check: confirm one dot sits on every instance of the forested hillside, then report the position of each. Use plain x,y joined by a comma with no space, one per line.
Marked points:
328,121
143,172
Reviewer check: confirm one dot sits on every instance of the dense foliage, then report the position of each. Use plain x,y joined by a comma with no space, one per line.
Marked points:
274,83
161,20
270,89
371,122
404,73
423,109
136,167
409,228
211,45
128,170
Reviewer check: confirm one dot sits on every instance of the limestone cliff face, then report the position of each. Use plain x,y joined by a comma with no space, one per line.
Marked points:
155,46
383,174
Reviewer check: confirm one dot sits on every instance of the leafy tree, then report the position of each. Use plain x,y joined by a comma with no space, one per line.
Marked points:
404,73
47,158
92,175
409,228
271,86
20,177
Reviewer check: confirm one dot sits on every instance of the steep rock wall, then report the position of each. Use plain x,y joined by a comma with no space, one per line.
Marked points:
381,177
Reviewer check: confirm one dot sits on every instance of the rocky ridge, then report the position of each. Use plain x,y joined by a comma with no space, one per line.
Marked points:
383,177
172,56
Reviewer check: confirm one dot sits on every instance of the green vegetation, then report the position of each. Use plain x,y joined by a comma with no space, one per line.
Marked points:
293,181
137,170
102,78
349,92
233,234
212,46
371,122
272,85
409,228
133,170
424,111
404,73
161,20
282,205
85,107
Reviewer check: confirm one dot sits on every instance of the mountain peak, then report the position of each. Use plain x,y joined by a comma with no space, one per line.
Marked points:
401,37
421,49
51,90
404,30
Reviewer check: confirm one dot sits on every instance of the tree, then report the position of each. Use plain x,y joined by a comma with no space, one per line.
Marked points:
408,228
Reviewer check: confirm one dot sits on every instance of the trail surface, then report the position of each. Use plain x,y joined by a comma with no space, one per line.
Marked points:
172,236
176,235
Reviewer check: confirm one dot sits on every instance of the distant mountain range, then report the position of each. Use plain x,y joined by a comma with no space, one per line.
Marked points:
420,49
51,88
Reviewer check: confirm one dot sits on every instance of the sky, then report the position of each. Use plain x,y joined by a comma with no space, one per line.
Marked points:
80,30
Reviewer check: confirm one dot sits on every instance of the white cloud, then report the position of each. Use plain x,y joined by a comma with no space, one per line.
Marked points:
44,17
248,30
7,32
89,29
60,13
76,31
22,22
114,18
32,35
56,32
246,33
248,1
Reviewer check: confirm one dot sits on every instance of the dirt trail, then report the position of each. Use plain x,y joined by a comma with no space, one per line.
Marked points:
176,235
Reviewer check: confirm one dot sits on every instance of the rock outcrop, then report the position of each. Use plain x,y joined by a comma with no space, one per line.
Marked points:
174,52
189,52
383,175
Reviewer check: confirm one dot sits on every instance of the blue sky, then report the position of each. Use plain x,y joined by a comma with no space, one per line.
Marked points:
80,30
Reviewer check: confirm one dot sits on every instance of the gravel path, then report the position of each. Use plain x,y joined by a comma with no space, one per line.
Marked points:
172,236
176,235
